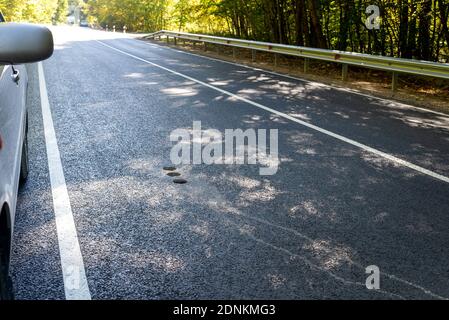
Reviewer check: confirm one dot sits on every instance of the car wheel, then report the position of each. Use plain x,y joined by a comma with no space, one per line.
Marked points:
24,162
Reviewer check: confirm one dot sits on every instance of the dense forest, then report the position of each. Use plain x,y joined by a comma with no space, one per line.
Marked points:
407,28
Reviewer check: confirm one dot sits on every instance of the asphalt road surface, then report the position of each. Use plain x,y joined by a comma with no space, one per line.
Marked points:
362,182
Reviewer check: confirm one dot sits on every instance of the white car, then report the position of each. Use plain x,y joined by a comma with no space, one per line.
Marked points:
19,43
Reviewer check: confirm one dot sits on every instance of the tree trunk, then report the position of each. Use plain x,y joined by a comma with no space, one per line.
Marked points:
444,13
299,22
424,30
317,31
403,28
411,39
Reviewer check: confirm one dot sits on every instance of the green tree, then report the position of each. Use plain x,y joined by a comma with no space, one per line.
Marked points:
409,28
61,10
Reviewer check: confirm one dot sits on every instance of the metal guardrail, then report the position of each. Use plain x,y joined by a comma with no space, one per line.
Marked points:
394,65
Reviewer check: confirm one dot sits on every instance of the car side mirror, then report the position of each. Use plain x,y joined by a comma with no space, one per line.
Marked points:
24,43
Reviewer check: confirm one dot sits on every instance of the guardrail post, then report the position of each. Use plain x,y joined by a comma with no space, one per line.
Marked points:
253,55
306,65
276,57
394,81
168,39
205,46
344,72
175,41
217,48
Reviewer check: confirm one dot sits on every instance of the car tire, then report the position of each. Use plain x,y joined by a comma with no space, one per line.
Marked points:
24,162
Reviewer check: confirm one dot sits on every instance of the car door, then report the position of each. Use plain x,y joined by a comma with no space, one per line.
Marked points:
12,130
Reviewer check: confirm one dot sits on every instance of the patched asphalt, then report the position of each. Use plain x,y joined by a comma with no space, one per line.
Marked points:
307,232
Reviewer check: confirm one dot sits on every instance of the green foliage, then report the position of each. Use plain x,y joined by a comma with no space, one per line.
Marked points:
40,11
409,28
61,11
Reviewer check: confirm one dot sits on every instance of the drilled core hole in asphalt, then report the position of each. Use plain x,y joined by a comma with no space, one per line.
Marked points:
173,174
169,168
180,181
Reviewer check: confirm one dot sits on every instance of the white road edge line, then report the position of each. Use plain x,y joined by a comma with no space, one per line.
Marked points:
286,116
335,87
74,275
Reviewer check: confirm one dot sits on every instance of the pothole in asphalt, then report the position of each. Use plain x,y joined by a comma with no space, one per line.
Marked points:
180,181
169,168
173,174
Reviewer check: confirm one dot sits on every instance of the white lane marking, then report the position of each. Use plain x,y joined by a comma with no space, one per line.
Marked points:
286,116
74,275
353,91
